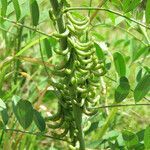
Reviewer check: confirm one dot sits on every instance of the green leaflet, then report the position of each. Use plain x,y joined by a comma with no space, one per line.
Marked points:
24,113
120,64
147,138
122,90
99,52
48,46
129,5
131,139
17,9
147,12
142,88
5,116
34,10
139,75
138,53
39,120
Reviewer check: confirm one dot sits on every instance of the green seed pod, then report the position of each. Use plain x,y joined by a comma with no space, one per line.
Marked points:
82,28
94,84
81,47
89,113
68,71
65,34
80,23
91,94
71,29
85,45
56,125
61,52
82,71
81,53
82,90
83,60
73,80
62,134
56,116
84,95
80,104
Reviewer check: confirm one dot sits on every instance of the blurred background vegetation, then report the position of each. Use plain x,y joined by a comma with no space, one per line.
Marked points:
25,77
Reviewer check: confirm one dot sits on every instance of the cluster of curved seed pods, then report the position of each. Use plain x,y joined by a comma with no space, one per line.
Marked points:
79,77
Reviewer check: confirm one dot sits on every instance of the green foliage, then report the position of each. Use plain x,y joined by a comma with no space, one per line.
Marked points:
147,11
142,88
99,52
2,105
17,9
147,137
39,120
58,76
120,64
4,4
5,116
24,113
47,47
34,11
122,90
129,5
131,139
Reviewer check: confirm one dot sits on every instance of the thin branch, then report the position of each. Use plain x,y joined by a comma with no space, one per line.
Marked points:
119,105
108,10
25,26
35,133
108,25
101,3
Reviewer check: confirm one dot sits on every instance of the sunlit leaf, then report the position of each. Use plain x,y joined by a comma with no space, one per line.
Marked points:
99,51
120,64
139,52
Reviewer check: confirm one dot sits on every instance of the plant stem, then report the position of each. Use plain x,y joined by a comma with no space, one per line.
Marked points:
119,105
59,21
18,47
25,26
34,133
77,111
120,28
